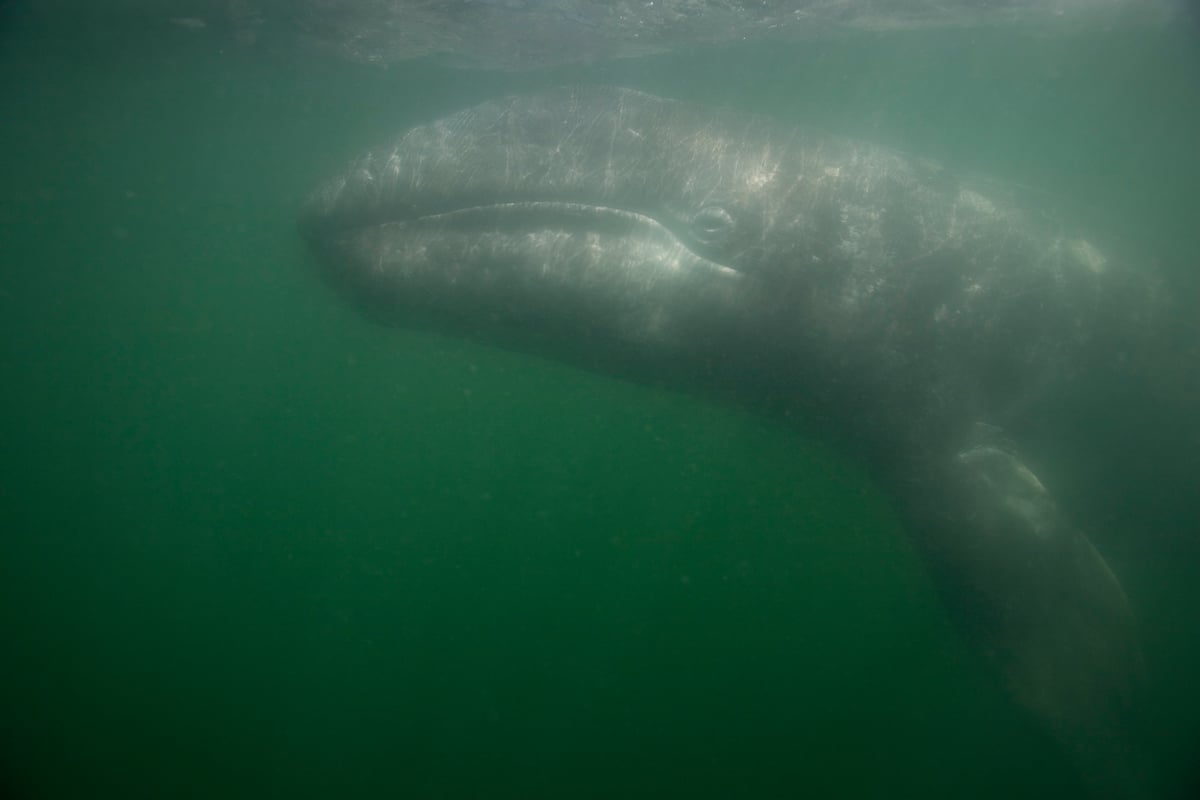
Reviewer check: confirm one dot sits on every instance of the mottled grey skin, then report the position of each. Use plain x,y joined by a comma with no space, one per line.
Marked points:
784,271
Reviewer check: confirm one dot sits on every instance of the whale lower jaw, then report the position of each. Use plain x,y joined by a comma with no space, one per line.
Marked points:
573,268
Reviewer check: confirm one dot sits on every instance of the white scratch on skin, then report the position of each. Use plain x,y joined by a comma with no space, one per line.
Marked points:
762,176
609,171
976,201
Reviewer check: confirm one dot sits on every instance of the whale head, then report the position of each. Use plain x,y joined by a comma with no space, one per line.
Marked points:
609,219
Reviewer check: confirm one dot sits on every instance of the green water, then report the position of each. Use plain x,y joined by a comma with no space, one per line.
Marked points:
254,545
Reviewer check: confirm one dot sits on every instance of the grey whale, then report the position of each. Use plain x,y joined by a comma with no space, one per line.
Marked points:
785,270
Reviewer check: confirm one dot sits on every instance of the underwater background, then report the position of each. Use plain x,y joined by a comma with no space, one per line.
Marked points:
253,544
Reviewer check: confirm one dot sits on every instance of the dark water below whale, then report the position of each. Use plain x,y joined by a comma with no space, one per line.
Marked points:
253,545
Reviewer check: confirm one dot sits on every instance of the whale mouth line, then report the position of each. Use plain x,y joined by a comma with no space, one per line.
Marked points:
525,214
587,224
551,208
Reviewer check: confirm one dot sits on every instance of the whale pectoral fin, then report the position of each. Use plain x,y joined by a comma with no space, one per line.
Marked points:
1038,599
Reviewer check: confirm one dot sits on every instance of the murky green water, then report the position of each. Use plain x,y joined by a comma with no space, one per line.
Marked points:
254,545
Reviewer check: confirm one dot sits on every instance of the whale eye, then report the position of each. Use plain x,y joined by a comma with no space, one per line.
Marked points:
712,225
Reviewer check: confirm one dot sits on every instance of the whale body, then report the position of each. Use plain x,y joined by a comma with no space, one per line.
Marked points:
917,315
